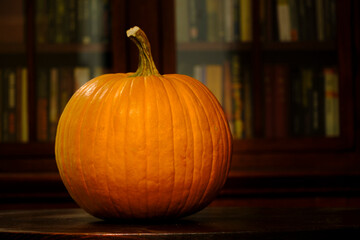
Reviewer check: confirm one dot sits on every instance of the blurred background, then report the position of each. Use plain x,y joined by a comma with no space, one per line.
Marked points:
285,72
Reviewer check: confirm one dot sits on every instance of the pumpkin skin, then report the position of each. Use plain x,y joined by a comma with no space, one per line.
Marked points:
143,145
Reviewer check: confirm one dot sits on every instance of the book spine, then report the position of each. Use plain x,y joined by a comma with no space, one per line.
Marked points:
248,105
24,137
213,20
61,33
268,101
246,20
41,21
307,101
53,102
237,89
320,20
214,80
11,78
18,105
2,100
296,103
280,102
42,104
294,20
5,112
318,104
81,76
229,21
83,21
331,85
182,21
283,17
228,94
192,19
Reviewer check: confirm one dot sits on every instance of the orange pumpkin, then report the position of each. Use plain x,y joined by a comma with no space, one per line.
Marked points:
143,145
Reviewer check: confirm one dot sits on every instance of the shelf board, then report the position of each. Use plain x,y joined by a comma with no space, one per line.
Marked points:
27,149
266,46
292,144
73,48
213,46
300,46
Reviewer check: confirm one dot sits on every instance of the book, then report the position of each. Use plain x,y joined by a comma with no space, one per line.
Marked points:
72,21
227,103
182,21
248,104
42,103
214,19
294,20
24,112
229,33
269,79
10,77
283,19
53,102
331,88
246,20
81,76
237,96
214,80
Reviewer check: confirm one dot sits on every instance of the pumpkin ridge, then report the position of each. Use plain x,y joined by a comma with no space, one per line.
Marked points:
146,158
219,123
86,107
119,95
202,184
173,147
211,177
100,108
125,136
115,95
190,188
76,101
222,122
176,90
227,144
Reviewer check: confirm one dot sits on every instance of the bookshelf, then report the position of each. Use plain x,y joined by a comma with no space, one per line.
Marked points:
293,49
264,168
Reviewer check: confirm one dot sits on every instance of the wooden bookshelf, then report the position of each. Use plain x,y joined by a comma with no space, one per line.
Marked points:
263,169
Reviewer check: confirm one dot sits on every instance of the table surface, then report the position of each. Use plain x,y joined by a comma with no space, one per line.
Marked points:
210,223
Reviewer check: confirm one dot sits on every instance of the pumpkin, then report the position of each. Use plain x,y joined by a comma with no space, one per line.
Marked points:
143,145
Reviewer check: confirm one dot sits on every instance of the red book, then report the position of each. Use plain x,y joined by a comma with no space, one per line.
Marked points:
268,100
280,102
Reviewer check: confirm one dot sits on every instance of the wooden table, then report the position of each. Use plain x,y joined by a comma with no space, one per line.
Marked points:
210,223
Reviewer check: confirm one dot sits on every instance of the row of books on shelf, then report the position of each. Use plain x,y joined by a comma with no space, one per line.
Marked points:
72,21
55,86
214,20
301,101
231,20
298,20
230,82
297,101
14,124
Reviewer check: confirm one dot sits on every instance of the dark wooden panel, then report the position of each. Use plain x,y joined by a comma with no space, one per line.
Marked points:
167,37
118,35
146,15
346,78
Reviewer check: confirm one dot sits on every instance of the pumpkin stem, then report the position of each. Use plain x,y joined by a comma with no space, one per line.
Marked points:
146,65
